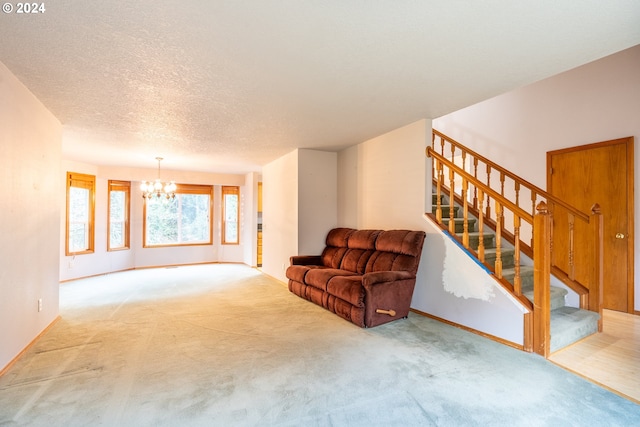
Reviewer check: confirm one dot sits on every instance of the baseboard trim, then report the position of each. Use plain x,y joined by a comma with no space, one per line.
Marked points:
28,346
149,267
96,275
183,265
468,329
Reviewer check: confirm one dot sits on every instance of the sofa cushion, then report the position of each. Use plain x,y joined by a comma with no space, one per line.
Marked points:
298,272
403,242
339,236
363,239
355,260
388,261
319,277
336,247
347,288
332,256
361,245
396,250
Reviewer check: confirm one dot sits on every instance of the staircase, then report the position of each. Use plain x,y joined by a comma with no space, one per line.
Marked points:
568,324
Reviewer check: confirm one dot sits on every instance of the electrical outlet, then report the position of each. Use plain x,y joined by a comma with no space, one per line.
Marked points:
70,264
39,304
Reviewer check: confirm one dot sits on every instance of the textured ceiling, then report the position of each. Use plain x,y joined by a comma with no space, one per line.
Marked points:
227,86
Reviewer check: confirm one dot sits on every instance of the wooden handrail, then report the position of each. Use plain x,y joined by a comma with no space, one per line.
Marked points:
504,172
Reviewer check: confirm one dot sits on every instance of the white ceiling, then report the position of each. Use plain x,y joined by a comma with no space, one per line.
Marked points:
228,86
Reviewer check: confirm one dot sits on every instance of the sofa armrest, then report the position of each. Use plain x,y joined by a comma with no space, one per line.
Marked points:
387,296
371,279
306,260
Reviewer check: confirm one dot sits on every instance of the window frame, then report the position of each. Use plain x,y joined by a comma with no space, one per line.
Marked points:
86,181
230,190
125,187
182,189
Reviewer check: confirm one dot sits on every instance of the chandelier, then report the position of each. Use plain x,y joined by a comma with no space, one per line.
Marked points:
157,188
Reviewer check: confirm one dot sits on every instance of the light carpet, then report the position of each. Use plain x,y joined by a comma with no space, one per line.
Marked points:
224,345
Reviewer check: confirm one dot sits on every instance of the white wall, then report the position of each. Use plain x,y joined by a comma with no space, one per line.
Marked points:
457,289
30,149
382,180
299,200
317,199
279,214
102,261
596,102
348,187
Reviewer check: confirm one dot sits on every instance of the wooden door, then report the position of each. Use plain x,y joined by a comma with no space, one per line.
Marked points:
600,173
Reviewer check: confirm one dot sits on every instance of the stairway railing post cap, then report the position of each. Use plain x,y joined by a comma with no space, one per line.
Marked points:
541,208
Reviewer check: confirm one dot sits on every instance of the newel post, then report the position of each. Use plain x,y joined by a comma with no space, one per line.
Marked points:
596,291
541,280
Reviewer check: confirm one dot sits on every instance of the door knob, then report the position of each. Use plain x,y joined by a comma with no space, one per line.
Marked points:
619,236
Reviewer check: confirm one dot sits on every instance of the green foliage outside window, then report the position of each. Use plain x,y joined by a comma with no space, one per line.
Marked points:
79,209
184,219
117,212
231,217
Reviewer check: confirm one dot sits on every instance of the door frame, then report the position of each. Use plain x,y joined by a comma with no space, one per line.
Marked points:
630,205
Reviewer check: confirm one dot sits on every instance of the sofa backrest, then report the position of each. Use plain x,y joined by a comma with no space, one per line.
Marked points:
336,247
397,250
364,251
361,245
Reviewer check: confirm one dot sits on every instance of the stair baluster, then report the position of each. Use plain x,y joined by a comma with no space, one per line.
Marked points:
452,191
438,172
498,239
475,188
465,214
501,219
572,262
517,280
488,213
533,212
480,225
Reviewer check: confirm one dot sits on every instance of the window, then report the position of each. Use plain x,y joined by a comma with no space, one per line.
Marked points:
230,215
183,220
80,213
118,224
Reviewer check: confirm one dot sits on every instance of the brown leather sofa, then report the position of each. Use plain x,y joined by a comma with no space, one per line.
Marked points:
364,276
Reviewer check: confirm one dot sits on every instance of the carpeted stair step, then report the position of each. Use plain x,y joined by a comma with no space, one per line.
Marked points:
474,239
526,276
557,295
570,324
459,224
505,254
434,199
446,210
